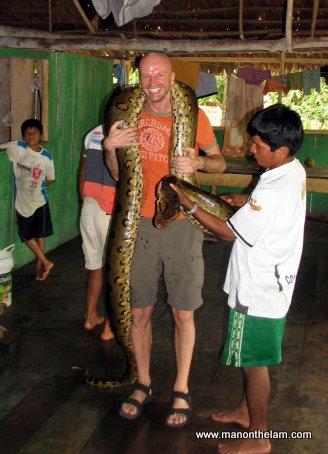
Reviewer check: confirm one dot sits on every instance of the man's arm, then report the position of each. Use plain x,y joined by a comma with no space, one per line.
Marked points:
118,138
213,162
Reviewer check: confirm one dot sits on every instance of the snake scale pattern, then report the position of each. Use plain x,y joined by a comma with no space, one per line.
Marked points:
127,105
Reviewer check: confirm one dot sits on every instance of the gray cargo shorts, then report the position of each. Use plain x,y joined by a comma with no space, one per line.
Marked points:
176,250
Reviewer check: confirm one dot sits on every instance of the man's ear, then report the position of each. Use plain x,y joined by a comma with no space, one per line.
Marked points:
172,78
283,151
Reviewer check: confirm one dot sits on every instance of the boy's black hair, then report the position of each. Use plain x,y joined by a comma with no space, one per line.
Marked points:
278,126
31,123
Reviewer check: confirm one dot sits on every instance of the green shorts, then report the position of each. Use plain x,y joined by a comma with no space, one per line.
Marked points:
253,341
176,251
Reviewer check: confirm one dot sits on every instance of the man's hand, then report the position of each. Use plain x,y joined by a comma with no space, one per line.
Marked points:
188,164
121,138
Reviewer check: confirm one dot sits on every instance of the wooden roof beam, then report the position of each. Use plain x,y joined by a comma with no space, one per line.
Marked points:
241,30
314,16
34,39
289,25
84,16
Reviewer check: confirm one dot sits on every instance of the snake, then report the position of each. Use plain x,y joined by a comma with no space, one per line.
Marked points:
127,105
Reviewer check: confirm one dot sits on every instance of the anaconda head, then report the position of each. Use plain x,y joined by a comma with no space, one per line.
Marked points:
167,204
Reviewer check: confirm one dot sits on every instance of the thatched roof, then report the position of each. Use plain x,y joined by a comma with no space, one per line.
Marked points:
210,30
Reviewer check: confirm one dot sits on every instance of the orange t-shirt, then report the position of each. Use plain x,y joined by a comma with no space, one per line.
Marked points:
154,138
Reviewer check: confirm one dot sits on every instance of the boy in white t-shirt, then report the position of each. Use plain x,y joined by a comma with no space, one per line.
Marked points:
268,232
33,171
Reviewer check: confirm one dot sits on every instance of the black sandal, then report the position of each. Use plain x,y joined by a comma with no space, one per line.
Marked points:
180,411
139,405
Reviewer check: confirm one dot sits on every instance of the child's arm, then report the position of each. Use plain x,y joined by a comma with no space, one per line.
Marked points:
215,225
11,148
5,146
82,176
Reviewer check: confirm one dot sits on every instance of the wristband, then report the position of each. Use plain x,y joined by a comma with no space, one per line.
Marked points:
192,209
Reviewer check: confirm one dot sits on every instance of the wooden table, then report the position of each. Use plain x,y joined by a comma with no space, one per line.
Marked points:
243,173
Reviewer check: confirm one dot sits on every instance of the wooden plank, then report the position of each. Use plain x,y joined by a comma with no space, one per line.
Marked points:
21,93
245,167
44,400
4,99
45,99
224,179
240,21
258,59
289,25
79,416
29,39
233,180
314,16
317,185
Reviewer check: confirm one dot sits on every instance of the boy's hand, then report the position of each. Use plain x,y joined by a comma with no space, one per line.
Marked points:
121,137
184,201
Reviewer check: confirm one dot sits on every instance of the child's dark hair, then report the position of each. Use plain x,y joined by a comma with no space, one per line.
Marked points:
32,123
278,126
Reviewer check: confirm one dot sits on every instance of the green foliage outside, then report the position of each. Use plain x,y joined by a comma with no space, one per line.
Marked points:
312,108
221,82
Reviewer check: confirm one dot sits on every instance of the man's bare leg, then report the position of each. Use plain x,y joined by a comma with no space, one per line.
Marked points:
142,340
38,251
184,341
257,394
95,282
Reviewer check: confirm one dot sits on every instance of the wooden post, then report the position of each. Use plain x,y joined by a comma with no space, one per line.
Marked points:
282,71
50,15
289,25
314,16
241,12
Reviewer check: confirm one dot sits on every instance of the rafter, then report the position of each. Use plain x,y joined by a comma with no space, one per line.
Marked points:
84,16
289,25
314,16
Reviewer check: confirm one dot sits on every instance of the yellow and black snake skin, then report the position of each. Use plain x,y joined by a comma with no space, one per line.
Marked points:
127,105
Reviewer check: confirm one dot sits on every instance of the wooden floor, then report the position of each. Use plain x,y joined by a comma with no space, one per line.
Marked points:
45,408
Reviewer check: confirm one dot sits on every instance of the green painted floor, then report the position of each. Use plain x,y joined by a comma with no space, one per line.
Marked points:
46,408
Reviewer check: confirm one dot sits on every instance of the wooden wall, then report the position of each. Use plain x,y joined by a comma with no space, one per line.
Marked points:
78,89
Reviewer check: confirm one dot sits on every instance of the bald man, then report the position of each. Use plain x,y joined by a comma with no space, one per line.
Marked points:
178,250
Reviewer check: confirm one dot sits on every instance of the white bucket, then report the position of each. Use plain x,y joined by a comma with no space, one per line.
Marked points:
6,267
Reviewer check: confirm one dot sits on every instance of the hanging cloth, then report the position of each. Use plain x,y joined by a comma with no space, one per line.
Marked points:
311,80
253,76
206,85
124,10
275,84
